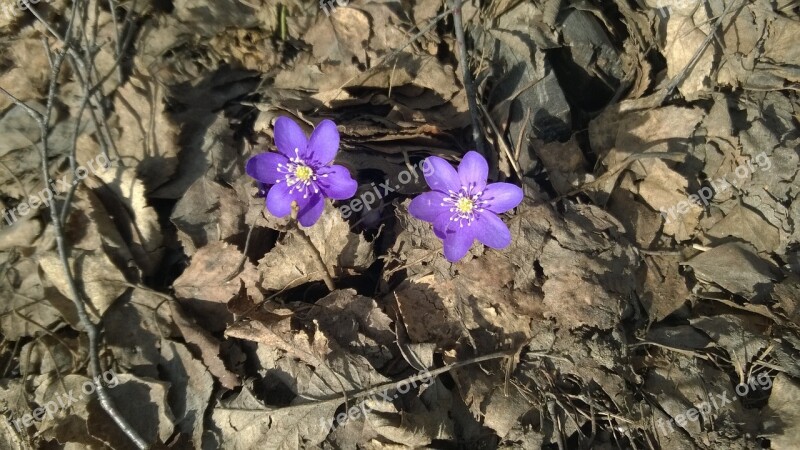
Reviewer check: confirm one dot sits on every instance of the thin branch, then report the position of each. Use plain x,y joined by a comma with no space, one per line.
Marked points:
393,385
472,101
91,328
501,142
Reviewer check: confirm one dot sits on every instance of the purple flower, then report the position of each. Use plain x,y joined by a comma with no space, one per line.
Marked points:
462,207
301,171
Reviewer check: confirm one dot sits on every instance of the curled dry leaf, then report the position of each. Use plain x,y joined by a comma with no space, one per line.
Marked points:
207,345
207,212
752,278
292,261
190,390
98,280
211,280
147,136
123,196
132,397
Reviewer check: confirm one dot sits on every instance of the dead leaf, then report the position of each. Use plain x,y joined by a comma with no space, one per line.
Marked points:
292,262
190,390
752,277
748,225
207,285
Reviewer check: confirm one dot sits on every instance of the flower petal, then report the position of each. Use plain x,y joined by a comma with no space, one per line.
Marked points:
473,170
289,136
280,198
428,206
264,167
442,176
501,197
441,224
324,143
336,183
309,215
457,239
279,202
491,231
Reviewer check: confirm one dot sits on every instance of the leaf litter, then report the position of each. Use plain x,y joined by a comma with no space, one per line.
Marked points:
653,265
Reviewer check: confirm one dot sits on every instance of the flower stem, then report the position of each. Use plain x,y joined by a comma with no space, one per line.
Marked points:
326,275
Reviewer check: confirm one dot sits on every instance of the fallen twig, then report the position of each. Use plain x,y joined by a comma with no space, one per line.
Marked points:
92,331
472,101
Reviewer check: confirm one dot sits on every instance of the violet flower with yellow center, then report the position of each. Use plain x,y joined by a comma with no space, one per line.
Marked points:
462,207
301,171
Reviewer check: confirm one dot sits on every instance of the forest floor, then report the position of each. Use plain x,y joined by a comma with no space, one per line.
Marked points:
649,299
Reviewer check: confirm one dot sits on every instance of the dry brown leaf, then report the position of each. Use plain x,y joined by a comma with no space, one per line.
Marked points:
741,339
67,425
207,345
191,387
684,38
205,288
748,225
123,196
752,277
28,66
134,327
664,289
565,164
96,278
26,295
133,396
147,136
665,190
207,212
783,423
247,423
340,37
292,261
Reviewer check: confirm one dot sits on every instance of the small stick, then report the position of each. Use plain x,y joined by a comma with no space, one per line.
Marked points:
501,142
477,136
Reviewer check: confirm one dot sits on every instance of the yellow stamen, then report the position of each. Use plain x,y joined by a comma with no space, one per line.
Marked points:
303,173
464,205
